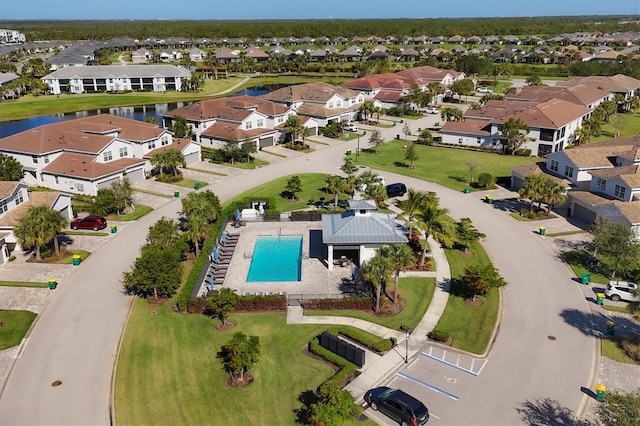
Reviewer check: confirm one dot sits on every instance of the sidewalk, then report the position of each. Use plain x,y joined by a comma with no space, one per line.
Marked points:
377,369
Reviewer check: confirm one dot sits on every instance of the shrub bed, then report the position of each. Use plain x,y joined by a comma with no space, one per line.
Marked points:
261,303
358,303
347,370
372,342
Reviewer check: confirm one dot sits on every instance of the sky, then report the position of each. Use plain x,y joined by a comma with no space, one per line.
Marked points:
306,9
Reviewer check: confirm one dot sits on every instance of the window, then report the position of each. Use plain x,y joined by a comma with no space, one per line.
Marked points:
55,178
34,158
554,165
107,156
330,105
601,184
562,132
248,125
123,151
568,171
479,140
164,141
280,119
494,141
41,177
260,122
152,145
3,207
339,104
20,199
79,186
46,159
619,191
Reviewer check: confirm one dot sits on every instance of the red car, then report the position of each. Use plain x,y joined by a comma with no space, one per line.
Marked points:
89,222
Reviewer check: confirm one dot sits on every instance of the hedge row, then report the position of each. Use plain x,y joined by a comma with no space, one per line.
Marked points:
261,303
357,303
347,369
371,341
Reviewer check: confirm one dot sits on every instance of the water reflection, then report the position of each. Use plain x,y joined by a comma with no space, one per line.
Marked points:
141,112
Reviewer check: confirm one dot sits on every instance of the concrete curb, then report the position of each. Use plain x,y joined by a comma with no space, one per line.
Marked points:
114,368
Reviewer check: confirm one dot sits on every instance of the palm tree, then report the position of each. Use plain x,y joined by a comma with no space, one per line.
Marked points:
293,125
376,270
466,233
433,221
413,202
376,193
554,193
195,230
39,226
400,257
335,185
531,189
173,159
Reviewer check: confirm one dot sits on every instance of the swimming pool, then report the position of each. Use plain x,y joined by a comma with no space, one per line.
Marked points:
276,258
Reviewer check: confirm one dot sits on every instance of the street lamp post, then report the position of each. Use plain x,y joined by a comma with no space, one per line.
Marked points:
358,148
406,346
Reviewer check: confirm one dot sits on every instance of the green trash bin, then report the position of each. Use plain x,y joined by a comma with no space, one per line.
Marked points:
348,152
176,194
398,137
611,327
600,298
364,133
542,230
53,284
601,391
114,228
196,186
467,190
77,259
586,278
489,199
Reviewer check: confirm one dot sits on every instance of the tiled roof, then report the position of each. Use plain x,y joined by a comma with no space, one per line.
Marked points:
178,143
36,199
87,134
579,94
616,83
388,96
7,188
349,228
590,197
539,169
470,126
85,166
234,108
315,110
318,92
379,81
551,114
601,154
222,130
615,171
630,209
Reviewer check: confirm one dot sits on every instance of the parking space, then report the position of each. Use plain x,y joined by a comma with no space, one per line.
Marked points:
437,377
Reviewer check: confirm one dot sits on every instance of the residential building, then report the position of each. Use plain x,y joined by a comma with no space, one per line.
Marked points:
11,36
15,202
116,78
141,56
86,154
552,123
603,180
579,94
617,84
243,118
323,102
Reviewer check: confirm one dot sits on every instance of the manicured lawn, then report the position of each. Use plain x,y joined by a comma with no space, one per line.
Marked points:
630,126
313,185
446,166
577,259
69,259
470,326
211,172
168,372
612,349
15,325
417,293
189,183
23,284
247,166
157,194
139,210
85,233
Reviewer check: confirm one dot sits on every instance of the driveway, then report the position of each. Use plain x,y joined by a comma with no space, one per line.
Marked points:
76,339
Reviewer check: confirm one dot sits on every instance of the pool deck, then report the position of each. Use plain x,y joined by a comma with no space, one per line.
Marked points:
316,277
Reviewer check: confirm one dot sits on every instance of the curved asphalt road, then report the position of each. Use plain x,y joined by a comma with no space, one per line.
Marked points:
75,340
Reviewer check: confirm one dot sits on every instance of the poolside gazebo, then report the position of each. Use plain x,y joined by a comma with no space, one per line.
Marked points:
356,234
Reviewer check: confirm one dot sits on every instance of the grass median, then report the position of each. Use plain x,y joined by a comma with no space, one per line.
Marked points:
446,166
470,326
15,325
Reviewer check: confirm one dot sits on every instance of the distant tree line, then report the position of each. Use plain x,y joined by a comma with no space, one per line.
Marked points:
104,30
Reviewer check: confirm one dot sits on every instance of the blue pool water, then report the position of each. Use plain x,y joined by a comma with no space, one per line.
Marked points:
276,259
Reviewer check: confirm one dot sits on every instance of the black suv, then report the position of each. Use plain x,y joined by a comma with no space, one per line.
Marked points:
396,190
398,405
